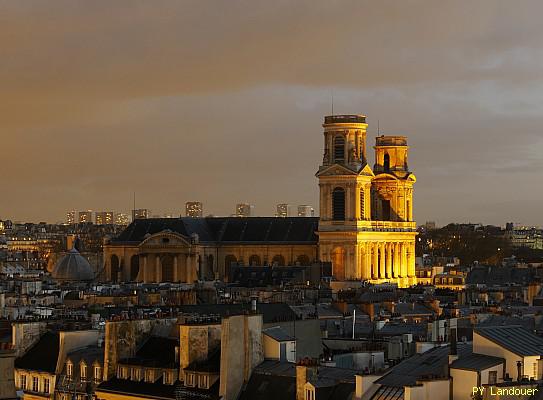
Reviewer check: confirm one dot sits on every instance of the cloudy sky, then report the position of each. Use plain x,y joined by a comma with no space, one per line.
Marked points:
222,102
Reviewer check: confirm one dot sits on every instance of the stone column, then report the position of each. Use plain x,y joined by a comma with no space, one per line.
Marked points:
411,260
367,256
158,270
348,202
397,264
357,262
188,264
143,272
375,262
404,260
382,266
388,255
175,275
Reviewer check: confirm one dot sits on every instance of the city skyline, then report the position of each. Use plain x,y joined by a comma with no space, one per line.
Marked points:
220,119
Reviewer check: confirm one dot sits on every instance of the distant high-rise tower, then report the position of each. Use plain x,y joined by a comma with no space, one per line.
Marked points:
70,217
84,216
366,226
306,211
244,210
140,213
283,210
194,209
104,218
122,219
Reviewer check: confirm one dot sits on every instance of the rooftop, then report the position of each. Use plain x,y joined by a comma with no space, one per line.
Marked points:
345,119
514,338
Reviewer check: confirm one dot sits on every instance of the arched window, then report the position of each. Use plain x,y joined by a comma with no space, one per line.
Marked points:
278,260
386,163
228,261
134,267
115,268
255,260
167,268
362,204
303,260
339,149
338,204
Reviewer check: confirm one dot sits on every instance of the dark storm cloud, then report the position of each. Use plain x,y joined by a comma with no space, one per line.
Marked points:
222,101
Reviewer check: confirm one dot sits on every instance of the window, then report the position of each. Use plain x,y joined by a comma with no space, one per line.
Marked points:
190,379
149,375
83,369
69,369
23,382
492,377
535,370
338,204
35,384
339,149
362,204
386,210
309,394
202,384
46,385
97,373
386,163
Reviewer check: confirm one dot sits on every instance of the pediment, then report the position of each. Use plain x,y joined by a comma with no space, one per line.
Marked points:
165,239
338,169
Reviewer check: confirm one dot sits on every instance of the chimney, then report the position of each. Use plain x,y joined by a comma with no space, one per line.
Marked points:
453,350
7,379
519,371
306,370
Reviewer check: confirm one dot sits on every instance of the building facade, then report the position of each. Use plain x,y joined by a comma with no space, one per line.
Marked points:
366,226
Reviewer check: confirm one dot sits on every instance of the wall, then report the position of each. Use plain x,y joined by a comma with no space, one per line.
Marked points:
482,345
7,374
241,351
25,335
123,337
463,382
73,340
196,342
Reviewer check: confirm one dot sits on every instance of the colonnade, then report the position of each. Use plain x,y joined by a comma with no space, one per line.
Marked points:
183,269
386,259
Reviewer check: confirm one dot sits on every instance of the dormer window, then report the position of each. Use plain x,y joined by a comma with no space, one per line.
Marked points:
97,373
83,370
69,369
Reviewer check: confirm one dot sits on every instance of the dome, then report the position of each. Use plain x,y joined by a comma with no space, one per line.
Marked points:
73,267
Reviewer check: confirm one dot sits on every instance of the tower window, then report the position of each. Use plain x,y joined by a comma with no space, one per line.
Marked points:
386,163
339,148
386,210
362,215
338,204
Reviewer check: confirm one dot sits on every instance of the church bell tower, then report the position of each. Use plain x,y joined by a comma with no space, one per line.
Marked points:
366,228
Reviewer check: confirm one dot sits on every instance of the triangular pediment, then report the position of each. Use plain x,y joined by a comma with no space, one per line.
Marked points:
164,239
339,169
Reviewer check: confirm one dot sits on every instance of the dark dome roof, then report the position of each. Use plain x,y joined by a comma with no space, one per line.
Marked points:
73,267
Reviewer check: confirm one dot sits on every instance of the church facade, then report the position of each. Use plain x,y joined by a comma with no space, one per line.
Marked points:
365,229
366,226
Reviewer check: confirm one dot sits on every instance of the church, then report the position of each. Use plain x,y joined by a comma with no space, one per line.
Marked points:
365,229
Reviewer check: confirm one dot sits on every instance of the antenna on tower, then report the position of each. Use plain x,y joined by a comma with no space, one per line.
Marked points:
332,95
378,130
134,207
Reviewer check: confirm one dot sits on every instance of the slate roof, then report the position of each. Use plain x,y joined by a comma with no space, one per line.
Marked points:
278,334
495,276
269,387
271,312
157,390
477,362
514,338
226,230
156,351
42,356
388,393
212,365
431,363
